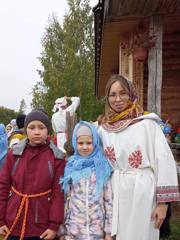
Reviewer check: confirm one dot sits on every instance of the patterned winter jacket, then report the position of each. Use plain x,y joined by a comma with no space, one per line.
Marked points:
85,217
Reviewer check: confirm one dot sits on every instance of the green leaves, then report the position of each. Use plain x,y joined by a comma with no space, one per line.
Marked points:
6,115
67,61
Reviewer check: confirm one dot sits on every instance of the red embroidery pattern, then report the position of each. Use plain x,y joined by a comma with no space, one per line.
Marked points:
117,126
167,193
110,154
135,159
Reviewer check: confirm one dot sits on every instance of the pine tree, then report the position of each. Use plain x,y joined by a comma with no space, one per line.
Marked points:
22,107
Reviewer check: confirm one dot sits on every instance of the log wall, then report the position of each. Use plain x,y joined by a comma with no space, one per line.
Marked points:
170,99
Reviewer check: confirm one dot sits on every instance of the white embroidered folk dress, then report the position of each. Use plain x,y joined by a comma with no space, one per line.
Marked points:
59,121
144,174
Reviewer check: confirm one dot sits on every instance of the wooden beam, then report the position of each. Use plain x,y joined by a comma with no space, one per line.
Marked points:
155,66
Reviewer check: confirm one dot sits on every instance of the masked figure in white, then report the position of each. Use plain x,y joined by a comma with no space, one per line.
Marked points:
59,124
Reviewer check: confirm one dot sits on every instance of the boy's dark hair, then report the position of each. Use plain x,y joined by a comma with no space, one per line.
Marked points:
20,120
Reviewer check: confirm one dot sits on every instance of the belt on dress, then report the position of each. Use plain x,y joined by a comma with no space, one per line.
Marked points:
116,178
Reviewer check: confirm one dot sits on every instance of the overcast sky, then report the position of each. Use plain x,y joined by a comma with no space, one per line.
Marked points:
22,25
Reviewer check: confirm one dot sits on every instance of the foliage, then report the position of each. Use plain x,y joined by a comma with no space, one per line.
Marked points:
22,107
6,115
50,59
39,95
143,39
175,231
67,61
139,38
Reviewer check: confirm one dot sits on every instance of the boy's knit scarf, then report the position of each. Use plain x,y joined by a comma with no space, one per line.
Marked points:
79,167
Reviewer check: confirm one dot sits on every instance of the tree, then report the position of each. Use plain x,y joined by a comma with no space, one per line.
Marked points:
22,107
79,45
39,95
51,59
6,115
68,59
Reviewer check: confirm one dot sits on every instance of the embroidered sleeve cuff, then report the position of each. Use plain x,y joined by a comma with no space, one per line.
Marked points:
167,194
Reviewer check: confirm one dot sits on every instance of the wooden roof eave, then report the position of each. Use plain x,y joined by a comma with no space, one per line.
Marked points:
98,11
106,11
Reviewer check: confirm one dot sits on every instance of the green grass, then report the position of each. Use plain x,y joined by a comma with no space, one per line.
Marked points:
175,231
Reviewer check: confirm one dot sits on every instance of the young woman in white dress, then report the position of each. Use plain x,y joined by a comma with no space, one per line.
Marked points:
144,178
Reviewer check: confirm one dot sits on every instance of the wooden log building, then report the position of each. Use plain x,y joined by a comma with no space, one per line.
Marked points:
157,78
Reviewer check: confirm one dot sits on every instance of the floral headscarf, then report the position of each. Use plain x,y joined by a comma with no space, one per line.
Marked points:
79,167
116,122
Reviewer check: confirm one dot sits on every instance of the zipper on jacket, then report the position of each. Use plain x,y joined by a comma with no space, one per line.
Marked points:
51,172
15,166
36,212
87,209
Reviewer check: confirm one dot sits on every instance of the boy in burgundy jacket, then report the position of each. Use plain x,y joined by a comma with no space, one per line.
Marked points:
31,203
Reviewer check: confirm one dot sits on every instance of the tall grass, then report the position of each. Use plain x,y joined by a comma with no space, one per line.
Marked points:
175,231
